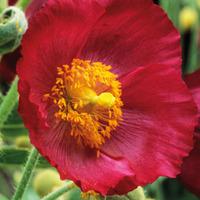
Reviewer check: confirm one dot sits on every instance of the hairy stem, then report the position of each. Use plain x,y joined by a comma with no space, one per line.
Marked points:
9,101
27,173
54,195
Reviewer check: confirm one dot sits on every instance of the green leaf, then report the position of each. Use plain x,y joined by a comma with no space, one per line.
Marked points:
172,8
14,125
9,102
14,156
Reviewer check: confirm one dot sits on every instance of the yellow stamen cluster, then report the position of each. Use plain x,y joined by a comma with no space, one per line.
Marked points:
90,195
87,96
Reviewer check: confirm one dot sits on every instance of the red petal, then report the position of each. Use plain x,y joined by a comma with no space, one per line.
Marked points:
68,24
158,123
34,7
80,165
73,162
54,37
191,165
129,35
190,170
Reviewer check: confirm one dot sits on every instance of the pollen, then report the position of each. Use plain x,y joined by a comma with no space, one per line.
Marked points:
90,195
87,96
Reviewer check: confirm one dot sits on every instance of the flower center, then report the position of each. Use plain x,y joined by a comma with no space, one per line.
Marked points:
87,97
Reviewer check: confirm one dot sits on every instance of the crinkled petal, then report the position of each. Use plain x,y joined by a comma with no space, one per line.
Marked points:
79,164
74,162
63,28
159,116
34,6
191,166
56,35
68,28
132,34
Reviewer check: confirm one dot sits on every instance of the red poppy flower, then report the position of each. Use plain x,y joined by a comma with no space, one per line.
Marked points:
191,165
9,61
101,93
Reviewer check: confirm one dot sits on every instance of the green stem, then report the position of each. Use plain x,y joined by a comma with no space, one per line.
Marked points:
54,195
9,101
22,4
27,174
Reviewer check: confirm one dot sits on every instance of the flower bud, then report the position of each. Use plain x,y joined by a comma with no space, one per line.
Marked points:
149,199
13,25
137,194
22,142
188,18
46,181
